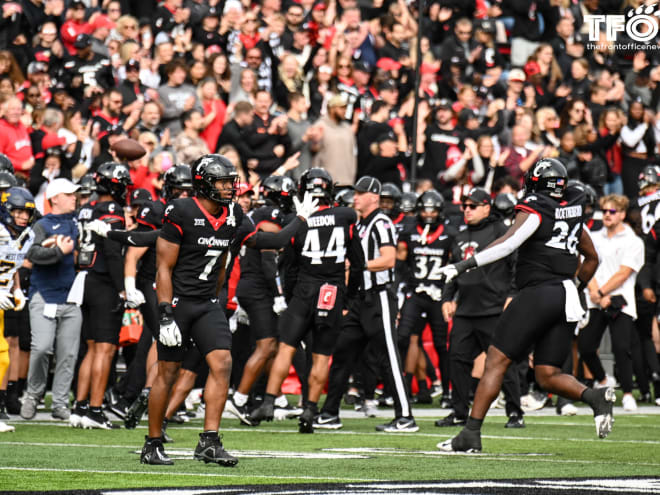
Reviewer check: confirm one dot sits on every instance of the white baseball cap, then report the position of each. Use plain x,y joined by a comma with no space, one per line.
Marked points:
60,186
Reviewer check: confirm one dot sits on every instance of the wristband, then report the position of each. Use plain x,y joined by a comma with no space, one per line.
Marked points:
465,265
165,310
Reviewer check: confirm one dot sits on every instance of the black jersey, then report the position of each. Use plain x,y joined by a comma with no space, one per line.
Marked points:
149,218
551,254
253,278
325,242
428,251
203,240
645,210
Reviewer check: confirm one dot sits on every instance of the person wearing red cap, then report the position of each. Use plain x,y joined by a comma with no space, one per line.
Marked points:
74,26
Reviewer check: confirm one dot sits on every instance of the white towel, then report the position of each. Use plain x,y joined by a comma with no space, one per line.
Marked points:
574,310
77,289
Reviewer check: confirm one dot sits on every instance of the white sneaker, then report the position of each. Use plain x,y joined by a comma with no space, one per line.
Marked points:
530,403
5,428
370,408
568,410
657,401
629,403
609,382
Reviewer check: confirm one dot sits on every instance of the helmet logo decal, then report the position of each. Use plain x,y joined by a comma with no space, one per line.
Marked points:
540,167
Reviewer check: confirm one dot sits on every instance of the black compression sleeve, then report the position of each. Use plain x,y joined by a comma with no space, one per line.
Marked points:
132,238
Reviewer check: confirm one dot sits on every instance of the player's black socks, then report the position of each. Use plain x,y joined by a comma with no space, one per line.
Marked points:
21,386
269,399
589,396
210,433
473,424
313,406
408,378
423,386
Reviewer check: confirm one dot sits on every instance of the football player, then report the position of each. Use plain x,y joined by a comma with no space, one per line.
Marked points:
191,258
323,247
548,234
425,246
102,305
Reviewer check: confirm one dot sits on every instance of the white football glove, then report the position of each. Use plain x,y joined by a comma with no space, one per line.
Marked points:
134,297
6,302
99,227
279,305
19,300
169,334
307,206
449,272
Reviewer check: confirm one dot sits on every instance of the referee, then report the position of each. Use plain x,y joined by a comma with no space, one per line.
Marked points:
370,318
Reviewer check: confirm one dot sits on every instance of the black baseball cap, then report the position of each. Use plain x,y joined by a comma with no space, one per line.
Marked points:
132,64
83,40
478,195
139,197
389,84
386,136
363,66
368,184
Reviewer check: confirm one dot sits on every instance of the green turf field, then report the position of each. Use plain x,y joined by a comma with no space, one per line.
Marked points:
44,455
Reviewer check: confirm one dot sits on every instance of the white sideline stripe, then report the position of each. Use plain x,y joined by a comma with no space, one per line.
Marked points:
168,473
380,434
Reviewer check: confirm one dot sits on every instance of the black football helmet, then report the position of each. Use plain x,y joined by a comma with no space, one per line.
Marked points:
278,190
430,200
113,178
209,169
346,198
547,176
589,192
391,191
177,177
87,185
7,180
318,183
19,198
408,202
650,176
5,164
503,205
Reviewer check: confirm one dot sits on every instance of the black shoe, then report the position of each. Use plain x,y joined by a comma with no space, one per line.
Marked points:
424,397
445,402
451,420
306,421
210,449
515,421
136,411
399,425
603,411
352,397
78,412
241,412
3,412
264,412
153,453
97,420
327,421
120,408
163,433
468,441
13,404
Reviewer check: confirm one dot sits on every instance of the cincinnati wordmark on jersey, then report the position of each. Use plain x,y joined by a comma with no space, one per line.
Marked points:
551,253
428,251
203,239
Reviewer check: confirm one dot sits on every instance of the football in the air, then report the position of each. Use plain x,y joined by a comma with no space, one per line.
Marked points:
128,149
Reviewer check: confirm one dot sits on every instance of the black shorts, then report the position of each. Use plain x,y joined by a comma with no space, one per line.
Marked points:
303,315
17,324
417,311
102,310
263,321
202,323
536,320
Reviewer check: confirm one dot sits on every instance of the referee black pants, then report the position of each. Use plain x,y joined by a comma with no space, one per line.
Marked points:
369,320
469,337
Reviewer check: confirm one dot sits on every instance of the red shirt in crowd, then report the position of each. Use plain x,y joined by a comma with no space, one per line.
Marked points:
15,143
213,130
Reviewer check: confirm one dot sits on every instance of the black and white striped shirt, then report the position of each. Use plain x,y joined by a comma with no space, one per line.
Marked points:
376,231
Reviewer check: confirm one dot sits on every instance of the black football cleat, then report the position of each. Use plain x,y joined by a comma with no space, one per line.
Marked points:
210,449
451,420
241,412
265,412
327,421
515,421
136,410
468,441
603,411
153,453
306,421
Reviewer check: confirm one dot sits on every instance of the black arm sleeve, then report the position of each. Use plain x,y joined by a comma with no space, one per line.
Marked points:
272,240
133,238
40,255
114,262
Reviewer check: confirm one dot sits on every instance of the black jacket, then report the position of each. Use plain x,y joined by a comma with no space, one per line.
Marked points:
483,290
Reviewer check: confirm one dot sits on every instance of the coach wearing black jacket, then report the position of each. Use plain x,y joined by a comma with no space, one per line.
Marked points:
475,300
